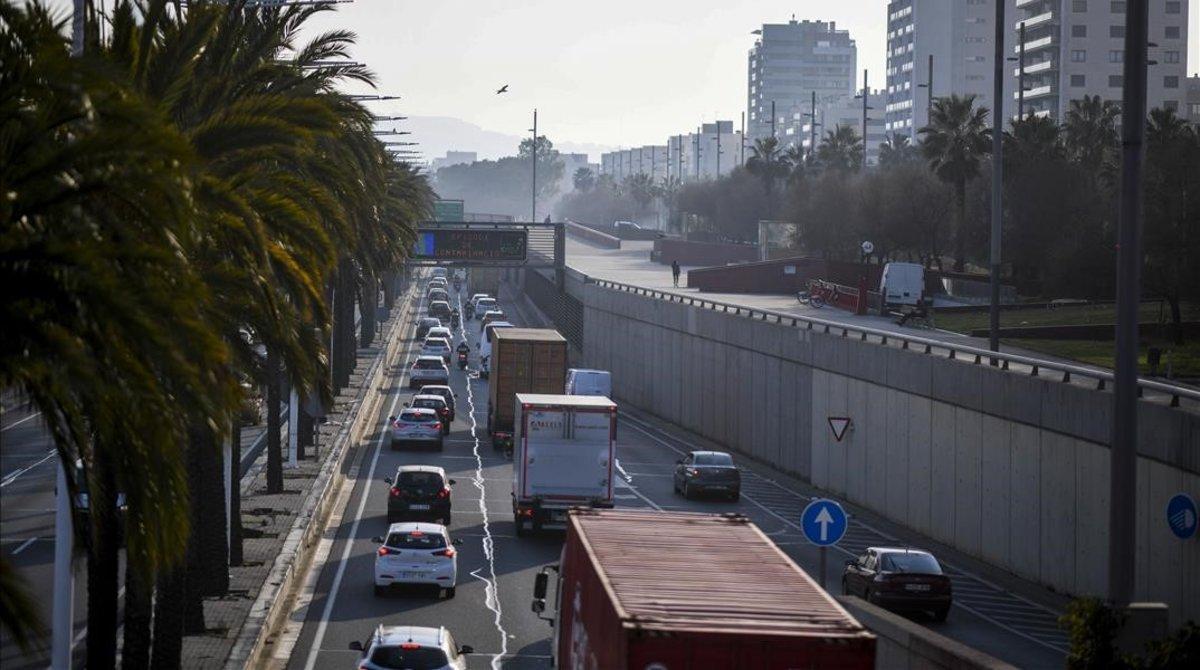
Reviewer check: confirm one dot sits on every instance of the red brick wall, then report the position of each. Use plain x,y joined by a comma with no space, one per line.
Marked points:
702,253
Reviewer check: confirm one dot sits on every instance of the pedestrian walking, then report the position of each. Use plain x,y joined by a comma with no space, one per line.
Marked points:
675,272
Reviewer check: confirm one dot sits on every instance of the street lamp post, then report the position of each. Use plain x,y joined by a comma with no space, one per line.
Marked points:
533,159
1020,61
997,179
928,86
866,94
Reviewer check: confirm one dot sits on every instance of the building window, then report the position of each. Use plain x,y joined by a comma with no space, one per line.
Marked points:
1171,57
1171,81
1171,32
1078,80
1171,104
1116,31
1078,31
1115,80
1194,109
1116,56
1118,7
1079,6
1078,55
1173,6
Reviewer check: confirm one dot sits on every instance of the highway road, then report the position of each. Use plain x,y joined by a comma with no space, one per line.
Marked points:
496,570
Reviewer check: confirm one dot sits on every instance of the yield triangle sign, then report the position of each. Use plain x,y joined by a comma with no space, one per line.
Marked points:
839,424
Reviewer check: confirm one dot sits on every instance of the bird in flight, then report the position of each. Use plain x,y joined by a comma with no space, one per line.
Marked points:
503,89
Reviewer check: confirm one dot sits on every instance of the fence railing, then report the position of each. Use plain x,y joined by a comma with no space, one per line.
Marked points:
1017,363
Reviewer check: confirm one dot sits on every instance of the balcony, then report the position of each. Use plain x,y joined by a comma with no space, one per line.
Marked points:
1026,3
1034,68
1043,19
1033,45
1037,92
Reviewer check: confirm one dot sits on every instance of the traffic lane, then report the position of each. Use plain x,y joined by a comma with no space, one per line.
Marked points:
356,611
650,467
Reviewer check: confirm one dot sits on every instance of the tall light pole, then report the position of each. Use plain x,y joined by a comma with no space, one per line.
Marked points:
866,96
718,122
997,177
533,159
699,131
742,155
1122,532
1020,61
812,126
772,118
928,86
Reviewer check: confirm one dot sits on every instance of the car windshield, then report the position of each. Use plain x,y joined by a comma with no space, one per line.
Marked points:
429,365
714,459
484,303
418,479
428,403
431,322
910,562
418,417
421,658
416,540
436,342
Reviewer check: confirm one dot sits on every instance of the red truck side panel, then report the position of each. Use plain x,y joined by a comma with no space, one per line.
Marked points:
590,636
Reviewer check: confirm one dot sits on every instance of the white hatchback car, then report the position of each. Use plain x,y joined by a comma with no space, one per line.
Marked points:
428,370
483,305
437,346
416,552
392,647
440,331
416,426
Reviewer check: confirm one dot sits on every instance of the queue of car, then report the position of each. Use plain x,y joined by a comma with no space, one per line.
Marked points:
418,548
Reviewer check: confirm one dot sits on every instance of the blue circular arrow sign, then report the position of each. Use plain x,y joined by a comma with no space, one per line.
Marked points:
824,522
1181,515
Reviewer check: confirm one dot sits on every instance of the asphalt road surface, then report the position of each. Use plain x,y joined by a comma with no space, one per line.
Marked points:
491,611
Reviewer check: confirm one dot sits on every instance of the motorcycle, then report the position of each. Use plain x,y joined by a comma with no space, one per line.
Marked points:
462,360
469,310
454,320
483,367
457,286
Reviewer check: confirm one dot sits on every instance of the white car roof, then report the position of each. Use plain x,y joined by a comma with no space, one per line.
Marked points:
899,550
431,358
422,468
434,338
427,396
425,636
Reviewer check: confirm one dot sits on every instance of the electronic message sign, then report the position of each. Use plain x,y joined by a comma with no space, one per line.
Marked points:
470,245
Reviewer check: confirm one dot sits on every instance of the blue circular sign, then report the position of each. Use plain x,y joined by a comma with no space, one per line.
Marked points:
1181,515
824,522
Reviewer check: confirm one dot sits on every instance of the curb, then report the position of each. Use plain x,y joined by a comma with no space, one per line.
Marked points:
273,604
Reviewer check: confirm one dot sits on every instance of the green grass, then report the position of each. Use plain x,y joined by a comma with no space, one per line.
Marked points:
1184,359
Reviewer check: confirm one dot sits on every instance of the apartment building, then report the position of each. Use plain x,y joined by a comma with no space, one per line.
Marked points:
1074,48
788,62
844,110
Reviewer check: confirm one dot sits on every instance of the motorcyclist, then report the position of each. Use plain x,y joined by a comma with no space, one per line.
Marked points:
463,350
454,318
469,310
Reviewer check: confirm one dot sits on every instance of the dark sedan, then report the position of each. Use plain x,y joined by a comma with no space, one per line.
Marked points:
899,579
708,472
418,493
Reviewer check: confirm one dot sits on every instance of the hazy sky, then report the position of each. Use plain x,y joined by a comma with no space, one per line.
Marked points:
614,72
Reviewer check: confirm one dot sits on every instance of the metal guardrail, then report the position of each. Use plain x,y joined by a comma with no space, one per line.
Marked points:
1036,367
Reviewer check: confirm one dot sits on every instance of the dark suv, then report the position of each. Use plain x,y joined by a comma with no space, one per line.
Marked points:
445,391
419,492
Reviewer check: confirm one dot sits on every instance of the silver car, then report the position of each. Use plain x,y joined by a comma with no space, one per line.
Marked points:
417,427
428,370
411,647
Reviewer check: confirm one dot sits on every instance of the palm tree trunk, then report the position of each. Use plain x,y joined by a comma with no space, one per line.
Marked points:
103,569
193,570
235,493
168,620
210,548
274,446
960,233
135,652
368,298
1176,318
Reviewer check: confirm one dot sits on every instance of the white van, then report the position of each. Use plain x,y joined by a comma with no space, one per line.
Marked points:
589,382
902,284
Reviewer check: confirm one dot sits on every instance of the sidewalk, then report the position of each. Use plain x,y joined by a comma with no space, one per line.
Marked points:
268,519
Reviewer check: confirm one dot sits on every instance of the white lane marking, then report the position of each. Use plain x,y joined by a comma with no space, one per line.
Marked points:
12,476
491,588
24,546
14,424
625,475
958,603
323,624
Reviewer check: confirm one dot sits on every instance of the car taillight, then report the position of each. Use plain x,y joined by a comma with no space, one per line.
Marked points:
448,552
409,646
384,551
395,492
437,425
445,411
692,472
444,493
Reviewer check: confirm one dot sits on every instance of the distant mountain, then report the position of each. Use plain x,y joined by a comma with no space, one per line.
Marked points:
439,134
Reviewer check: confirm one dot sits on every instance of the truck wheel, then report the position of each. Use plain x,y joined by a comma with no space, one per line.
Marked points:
378,591
450,592
687,491
941,614
520,525
735,496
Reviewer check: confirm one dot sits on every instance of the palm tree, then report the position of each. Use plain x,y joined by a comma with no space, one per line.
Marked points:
584,179
954,144
897,150
1090,131
1031,139
840,150
767,163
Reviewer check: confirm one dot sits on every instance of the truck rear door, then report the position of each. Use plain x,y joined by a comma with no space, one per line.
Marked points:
567,454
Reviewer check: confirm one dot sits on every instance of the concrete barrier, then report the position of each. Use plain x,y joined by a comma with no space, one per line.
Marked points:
593,236
904,645
1007,467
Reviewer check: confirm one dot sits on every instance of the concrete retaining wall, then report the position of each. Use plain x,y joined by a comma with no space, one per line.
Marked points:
593,236
1008,468
904,645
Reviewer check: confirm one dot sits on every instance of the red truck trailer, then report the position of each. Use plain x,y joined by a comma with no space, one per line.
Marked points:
682,591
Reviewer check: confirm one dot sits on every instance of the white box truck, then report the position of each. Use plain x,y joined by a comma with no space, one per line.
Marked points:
563,456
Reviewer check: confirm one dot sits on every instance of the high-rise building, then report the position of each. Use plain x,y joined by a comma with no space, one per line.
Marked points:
834,111
951,39
1075,48
1191,111
791,60
454,158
